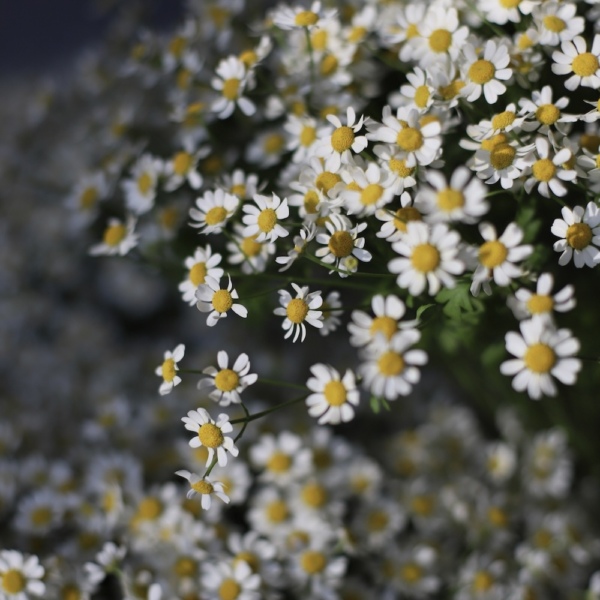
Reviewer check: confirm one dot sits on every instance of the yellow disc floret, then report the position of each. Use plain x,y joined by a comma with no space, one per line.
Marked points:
279,462
450,199
585,64
503,120
482,71
326,180
341,244
168,370
342,139
182,163
425,258
222,301
371,194
202,487
502,156
335,393
144,183
540,304
226,380
553,23
390,364
492,254
114,234
306,18
13,581
547,114
384,325
229,589
579,235
482,581
440,40
404,215
267,219
231,88
543,169
313,561
296,310
409,139
539,358
308,135
197,273
210,435
216,215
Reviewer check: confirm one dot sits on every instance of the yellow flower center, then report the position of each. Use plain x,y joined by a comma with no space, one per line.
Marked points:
590,141
492,254
447,92
41,516
371,194
524,42
540,304
585,64
412,31
267,219
250,247
390,364
510,3
182,163
357,34
273,143
13,581
210,435
219,16
482,581
422,96
279,462
144,183
377,520
183,79
440,40
229,589
226,380
554,23
222,301
314,495
185,567
319,40
277,511
313,561
296,310
342,139
88,198
494,141
384,325
197,273
168,370
404,215
311,201
149,509
70,592
306,18
398,166
502,156
409,139
249,58
497,517
335,393
231,88
539,358
411,572
543,169
547,114
177,46
579,235
326,180
542,538
114,235
329,65
482,71
450,199
202,487
503,120
169,217
425,258
341,244
215,215
308,135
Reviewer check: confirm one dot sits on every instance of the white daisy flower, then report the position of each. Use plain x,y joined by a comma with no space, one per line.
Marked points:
463,199
331,313
304,133
218,302
318,569
500,160
297,17
210,434
394,222
232,81
342,246
301,309
542,303
542,352
337,147
576,59
484,75
418,92
118,238
547,113
203,263
504,121
140,187
557,22
266,148
241,184
260,554
213,210
392,159
168,370
497,257
229,383
549,173
87,193
579,230
500,12
247,251
429,258
334,397
231,580
390,369
307,233
205,487
263,219
500,461
182,168
373,191
20,575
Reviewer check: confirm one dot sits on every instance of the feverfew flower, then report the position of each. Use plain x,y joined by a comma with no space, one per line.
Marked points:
575,59
232,80
394,222
168,370
303,308
229,383
140,188
210,434
182,168
263,219
557,22
213,211
203,263
579,230
428,258
218,302
333,396
548,172
234,580
297,17
118,238
20,576
542,352
369,191
205,487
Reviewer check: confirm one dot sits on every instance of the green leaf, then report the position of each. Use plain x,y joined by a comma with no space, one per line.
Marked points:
422,309
375,406
460,304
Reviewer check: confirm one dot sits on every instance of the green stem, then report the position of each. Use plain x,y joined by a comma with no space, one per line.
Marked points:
281,383
267,411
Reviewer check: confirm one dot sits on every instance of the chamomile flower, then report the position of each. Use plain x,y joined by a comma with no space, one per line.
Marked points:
89,191
140,187
213,210
548,173
20,576
231,580
337,147
542,352
483,75
331,309
579,230
299,310
307,233
247,251
304,133
297,17
118,238
498,256
263,218
557,22
333,397
547,113
210,434
168,370
341,245
392,159
418,92
229,383
394,222
205,487
429,258
462,199
232,81
201,264
317,568
218,302
241,184
373,191
390,368
576,59
182,168
526,304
